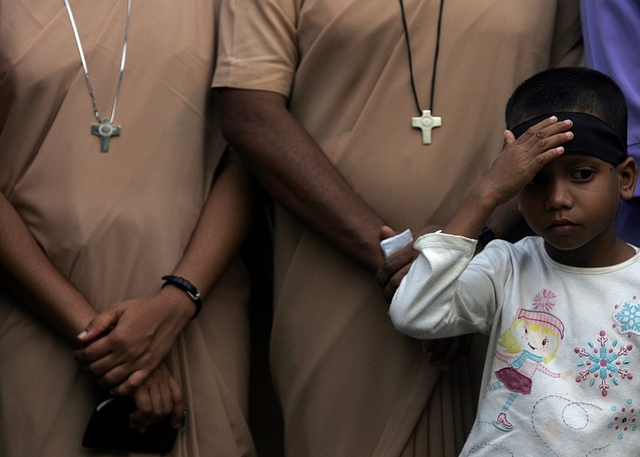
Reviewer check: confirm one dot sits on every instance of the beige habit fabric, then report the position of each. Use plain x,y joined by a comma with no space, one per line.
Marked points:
113,223
350,385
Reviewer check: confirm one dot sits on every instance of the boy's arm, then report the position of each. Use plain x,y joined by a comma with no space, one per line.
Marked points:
423,306
520,161
435,299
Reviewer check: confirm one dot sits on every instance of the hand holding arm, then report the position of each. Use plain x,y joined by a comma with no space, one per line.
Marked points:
141,332
158,396
130,339
443,351
396,266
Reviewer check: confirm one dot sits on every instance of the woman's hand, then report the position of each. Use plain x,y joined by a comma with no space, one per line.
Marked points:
158,396
126,343
396,267
445,351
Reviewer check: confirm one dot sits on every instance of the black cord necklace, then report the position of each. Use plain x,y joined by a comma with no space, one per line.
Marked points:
426,121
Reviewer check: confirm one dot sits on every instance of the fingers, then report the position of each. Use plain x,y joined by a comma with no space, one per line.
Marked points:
112,359
100,361
394,282
177,398
162,402
524,157
140,419
157,398
126,376
96,337
153,403
547,156
119,376
535,148
532,131
542,129
131,384
393,264
99,326
95,351
387,232
109,366
547,134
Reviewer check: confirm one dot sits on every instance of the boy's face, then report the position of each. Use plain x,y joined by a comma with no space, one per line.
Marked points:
572,204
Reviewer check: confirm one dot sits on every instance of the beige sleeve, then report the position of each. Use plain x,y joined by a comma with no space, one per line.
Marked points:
257,45
568,47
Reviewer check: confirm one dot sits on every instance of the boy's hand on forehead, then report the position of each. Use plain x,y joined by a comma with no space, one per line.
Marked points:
522,158
520,161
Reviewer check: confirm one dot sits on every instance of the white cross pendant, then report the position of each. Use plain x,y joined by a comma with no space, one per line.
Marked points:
426,122
105,130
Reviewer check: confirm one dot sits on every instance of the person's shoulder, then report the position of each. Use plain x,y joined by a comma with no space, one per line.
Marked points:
528,246
509,258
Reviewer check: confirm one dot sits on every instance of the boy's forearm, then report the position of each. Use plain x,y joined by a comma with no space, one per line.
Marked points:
472,216
518,164
507,222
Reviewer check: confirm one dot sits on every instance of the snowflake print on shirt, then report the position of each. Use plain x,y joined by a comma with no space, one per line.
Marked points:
605,363
627,316
625,419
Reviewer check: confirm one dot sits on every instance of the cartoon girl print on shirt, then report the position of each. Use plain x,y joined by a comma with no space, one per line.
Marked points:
531,342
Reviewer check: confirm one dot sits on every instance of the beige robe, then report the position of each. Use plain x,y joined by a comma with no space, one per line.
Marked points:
113,223
350,385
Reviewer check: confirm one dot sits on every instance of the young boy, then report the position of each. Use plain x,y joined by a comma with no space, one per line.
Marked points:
562,309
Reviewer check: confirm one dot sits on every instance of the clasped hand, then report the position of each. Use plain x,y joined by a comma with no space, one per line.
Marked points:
125,347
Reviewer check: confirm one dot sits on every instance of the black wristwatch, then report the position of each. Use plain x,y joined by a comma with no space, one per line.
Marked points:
189,288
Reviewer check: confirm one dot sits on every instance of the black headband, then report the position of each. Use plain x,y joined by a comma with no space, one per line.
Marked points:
590,136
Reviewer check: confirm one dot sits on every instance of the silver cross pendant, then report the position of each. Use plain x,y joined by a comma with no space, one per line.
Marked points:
105,130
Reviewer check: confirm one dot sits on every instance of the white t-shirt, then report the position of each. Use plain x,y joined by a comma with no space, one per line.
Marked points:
562,369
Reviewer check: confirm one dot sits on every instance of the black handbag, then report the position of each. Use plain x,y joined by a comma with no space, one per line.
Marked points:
109,429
